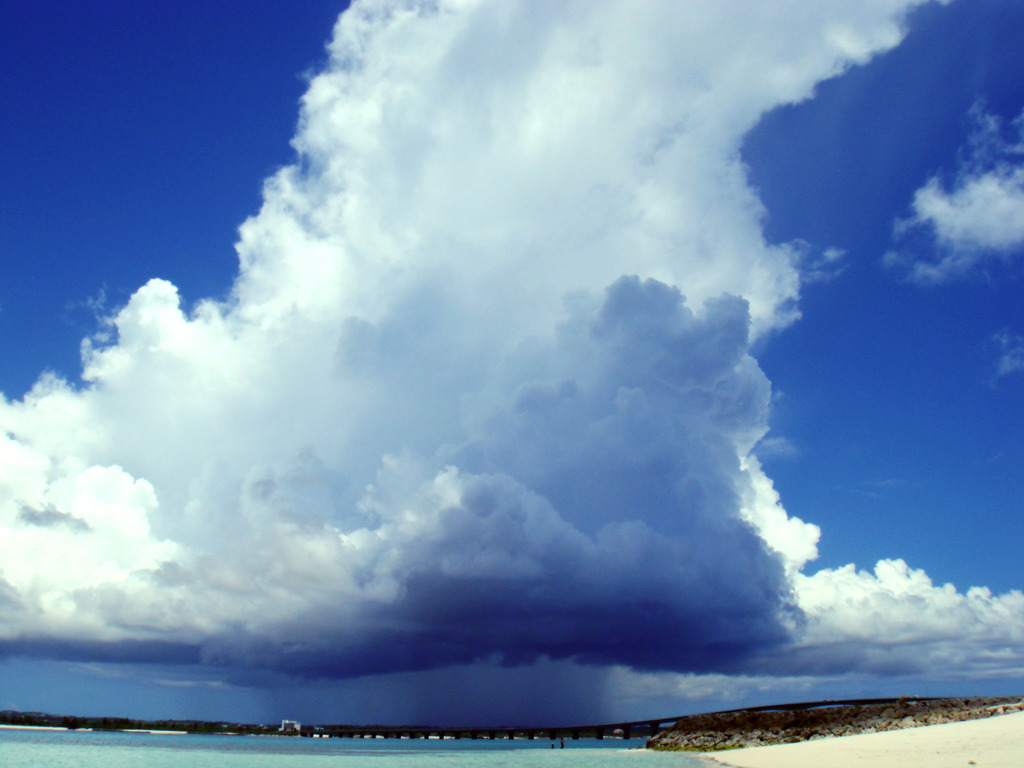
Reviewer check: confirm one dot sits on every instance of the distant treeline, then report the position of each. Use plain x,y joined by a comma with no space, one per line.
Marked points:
13,717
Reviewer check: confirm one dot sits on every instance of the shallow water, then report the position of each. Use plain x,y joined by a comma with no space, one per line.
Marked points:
104,749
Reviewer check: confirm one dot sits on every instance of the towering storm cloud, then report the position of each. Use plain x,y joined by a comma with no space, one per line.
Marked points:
482,391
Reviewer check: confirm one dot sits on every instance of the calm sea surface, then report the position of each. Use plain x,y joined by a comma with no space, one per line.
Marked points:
99,749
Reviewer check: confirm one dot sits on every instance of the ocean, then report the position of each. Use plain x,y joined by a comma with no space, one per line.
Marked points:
111,749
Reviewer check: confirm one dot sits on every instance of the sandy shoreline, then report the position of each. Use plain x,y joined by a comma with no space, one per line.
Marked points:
992,742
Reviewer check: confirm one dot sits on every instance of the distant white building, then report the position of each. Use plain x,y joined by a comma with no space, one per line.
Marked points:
290,725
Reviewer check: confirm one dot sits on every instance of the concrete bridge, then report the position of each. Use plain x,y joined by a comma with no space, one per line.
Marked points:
625,730
597,731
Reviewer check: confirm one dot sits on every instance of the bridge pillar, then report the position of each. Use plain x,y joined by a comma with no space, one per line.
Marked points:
576,733
626,729
599,733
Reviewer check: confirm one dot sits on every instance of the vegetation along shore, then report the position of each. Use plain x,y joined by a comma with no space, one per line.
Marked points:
749,728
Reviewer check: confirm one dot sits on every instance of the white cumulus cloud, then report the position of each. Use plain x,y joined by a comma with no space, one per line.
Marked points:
978,219
896,620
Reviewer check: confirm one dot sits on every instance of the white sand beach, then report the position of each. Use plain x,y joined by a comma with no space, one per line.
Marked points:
993,742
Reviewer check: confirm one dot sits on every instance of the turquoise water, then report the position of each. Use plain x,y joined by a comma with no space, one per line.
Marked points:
100,749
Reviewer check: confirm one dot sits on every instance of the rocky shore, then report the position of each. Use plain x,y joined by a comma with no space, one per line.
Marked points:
726,730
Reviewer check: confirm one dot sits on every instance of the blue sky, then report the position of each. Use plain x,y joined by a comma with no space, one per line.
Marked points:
466,372
139,138
891,386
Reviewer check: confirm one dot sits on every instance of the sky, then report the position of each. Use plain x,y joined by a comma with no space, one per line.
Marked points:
627,360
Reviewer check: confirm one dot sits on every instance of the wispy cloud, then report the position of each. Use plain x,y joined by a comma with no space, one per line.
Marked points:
823,267
1010,347
777,447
